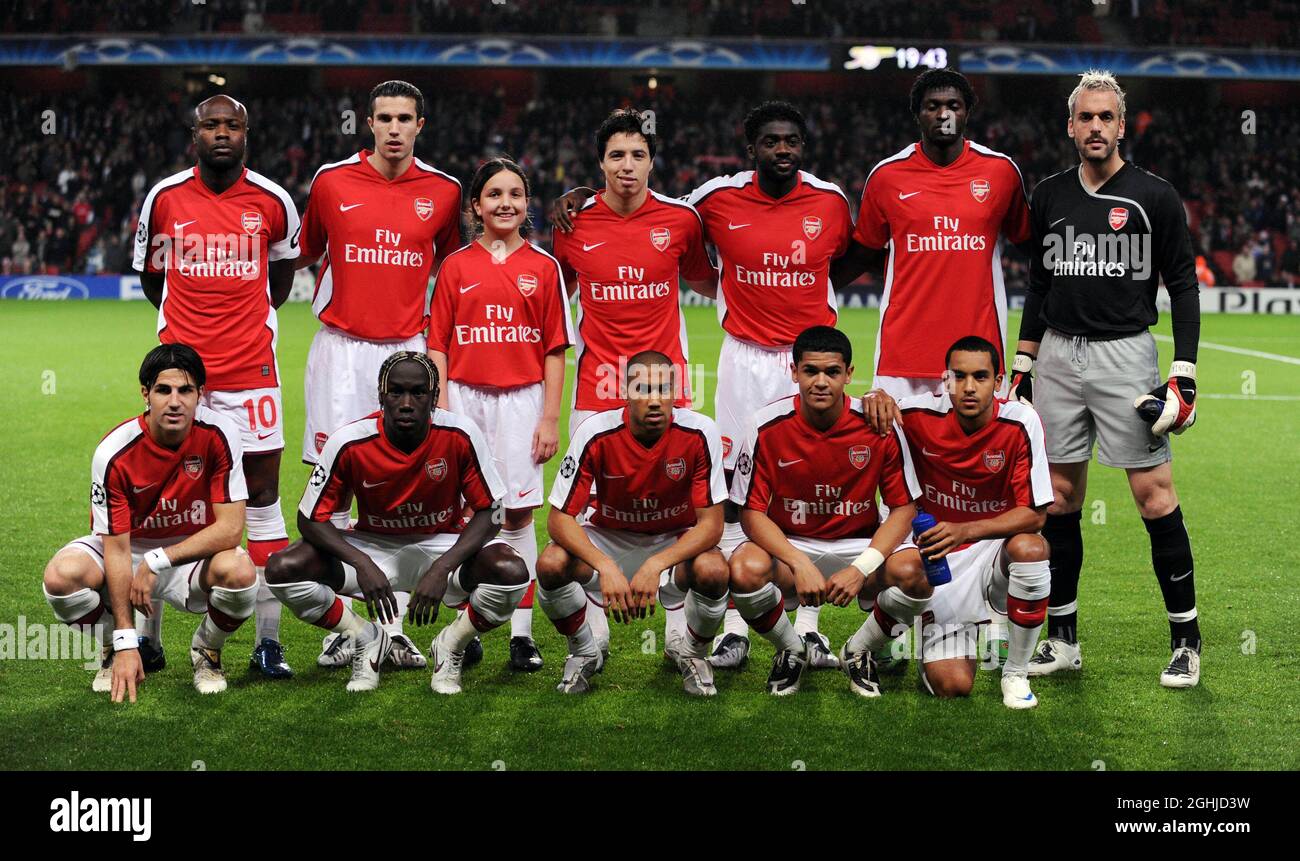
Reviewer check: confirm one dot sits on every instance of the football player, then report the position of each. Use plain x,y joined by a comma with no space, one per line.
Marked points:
167,496
409,467
807,477
649,478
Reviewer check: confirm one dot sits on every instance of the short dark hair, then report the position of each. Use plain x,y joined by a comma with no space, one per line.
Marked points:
486,171
421,359
975,344
941,79
166,357
773,111
822,339
623,121
398,89
649,359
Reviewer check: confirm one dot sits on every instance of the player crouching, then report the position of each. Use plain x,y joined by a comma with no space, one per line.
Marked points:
167,500
807,478
983,467
656,508
409,466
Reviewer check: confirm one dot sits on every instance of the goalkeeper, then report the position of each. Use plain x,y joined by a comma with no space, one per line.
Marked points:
1105,233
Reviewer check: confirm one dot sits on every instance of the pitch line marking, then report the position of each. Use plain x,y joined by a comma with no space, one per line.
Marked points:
1241,351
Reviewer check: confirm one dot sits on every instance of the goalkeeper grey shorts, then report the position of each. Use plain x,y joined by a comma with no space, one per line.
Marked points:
1084,392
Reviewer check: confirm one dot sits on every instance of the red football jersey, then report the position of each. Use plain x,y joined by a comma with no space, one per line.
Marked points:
497,319
943,280
381,242
964,477
213,250
821,484
421,493
627,280
149,490
775,254
652,490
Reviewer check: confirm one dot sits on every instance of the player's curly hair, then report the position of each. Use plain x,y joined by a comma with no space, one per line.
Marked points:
486,171
400,356
166,357
624,121
773,111
940,79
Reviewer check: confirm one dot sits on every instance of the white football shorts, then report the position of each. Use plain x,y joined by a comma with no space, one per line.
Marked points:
959,606
258,413
749,377
179,587
508,418
404,559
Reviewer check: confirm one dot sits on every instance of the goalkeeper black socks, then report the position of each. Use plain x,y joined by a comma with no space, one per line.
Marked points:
1171,557
1065,535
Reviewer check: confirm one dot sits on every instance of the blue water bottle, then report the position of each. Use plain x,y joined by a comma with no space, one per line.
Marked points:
936,571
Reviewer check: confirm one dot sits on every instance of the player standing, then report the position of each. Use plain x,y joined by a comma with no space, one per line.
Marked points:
383,220
167,497
412,469
776,229
498,330
1106,233
653,477
982,466
215,250
808,474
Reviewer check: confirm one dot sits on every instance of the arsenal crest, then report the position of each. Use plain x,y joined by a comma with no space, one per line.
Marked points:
320,441
859,456
660,237
1118,217
193,466
436,469
527,284
812,226
424,208
726,446
251,222
995,460
979,189
676,468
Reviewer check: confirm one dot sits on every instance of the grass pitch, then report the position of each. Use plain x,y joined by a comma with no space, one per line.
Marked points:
70,376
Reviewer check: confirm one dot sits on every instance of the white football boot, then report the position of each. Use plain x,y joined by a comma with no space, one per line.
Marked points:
336,651
405,655
697,677
447,666
367,660
103,682
209,677
1184,670
1054,654
1016,693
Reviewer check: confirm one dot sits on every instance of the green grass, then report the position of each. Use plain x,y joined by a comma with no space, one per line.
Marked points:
1235,472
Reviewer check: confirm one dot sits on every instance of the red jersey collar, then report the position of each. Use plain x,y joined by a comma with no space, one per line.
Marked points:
405,175
965,151
846,415
206,190
798,184
644,207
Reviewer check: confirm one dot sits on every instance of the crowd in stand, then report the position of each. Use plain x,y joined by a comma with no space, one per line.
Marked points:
69,200
1239,23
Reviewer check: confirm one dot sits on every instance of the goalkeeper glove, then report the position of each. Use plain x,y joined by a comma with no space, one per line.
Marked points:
1171,407
1022,379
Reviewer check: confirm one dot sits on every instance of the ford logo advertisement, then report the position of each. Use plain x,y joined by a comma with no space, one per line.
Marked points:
54,287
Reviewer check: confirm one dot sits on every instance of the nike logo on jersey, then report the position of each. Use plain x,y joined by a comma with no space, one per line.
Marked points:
586,247
784,463
343,208
524,493
135,489
266,435
177,225
367,485
470,287
609,477
925,451
902,196
1057,221
731,226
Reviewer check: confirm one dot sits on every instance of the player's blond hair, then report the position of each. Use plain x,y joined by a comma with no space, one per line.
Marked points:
1097,79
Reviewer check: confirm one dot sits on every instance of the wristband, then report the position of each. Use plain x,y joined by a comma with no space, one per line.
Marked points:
1183,369
125,638
869,561
157,560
